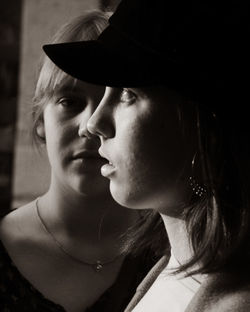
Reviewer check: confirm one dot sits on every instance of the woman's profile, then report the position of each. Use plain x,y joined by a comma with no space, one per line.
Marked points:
64,251
174,129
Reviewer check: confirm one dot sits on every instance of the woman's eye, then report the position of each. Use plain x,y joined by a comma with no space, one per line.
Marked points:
70,102
128,96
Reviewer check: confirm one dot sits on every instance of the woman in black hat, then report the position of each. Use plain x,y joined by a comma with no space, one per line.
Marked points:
65,250
174,129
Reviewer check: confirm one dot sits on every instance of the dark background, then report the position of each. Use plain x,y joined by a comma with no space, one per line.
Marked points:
10,20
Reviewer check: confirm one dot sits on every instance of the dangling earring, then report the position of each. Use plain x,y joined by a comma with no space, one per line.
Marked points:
199,190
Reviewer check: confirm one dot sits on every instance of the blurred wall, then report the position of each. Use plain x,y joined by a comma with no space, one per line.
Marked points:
10,18
109,5
40,20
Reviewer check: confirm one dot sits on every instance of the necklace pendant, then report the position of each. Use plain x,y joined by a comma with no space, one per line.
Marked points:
98,266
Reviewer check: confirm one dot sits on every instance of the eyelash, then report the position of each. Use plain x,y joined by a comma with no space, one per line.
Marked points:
70,102
128,96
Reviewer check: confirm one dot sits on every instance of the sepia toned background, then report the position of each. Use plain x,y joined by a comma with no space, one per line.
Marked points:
25,25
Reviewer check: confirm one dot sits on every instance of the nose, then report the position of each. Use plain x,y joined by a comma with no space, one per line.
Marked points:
101,122
83,119
83,132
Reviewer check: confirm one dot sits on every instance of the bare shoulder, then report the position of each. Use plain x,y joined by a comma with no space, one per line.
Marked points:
237,301
15,225
223,293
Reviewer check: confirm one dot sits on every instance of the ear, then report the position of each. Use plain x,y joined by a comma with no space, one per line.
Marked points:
40,130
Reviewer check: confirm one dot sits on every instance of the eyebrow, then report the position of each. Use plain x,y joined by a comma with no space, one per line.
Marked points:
69,88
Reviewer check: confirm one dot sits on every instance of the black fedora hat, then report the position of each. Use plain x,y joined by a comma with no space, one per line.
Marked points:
197,47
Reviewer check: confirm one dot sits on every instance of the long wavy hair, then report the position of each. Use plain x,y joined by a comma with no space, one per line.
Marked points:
218,222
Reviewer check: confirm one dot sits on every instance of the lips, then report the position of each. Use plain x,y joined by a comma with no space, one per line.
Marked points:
87,154
104,156
107,169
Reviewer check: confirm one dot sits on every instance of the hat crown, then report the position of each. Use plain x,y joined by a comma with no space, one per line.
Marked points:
197,47
184,30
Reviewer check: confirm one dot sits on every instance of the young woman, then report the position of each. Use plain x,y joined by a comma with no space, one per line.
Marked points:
174,130
65,250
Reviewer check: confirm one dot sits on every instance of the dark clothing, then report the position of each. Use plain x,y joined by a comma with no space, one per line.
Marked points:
18,295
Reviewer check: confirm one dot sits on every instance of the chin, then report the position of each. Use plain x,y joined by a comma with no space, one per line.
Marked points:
127,198
91,187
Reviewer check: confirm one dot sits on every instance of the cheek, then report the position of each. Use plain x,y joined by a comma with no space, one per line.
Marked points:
58,138
58,128
59,131
137,150
151,151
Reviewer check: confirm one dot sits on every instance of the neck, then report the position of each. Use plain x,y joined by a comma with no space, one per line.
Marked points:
178,238
95,221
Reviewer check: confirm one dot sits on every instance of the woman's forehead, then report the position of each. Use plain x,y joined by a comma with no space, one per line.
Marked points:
70,84
62,80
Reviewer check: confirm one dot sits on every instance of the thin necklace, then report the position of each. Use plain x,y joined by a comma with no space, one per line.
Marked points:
96,265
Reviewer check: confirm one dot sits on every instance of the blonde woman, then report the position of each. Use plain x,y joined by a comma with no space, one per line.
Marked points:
64,251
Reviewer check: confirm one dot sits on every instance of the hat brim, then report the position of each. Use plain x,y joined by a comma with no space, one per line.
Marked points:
113,60
92,62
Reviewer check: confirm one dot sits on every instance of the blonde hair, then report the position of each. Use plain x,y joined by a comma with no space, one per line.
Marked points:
85,27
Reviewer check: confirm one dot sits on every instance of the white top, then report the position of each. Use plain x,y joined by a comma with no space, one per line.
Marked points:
169,293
